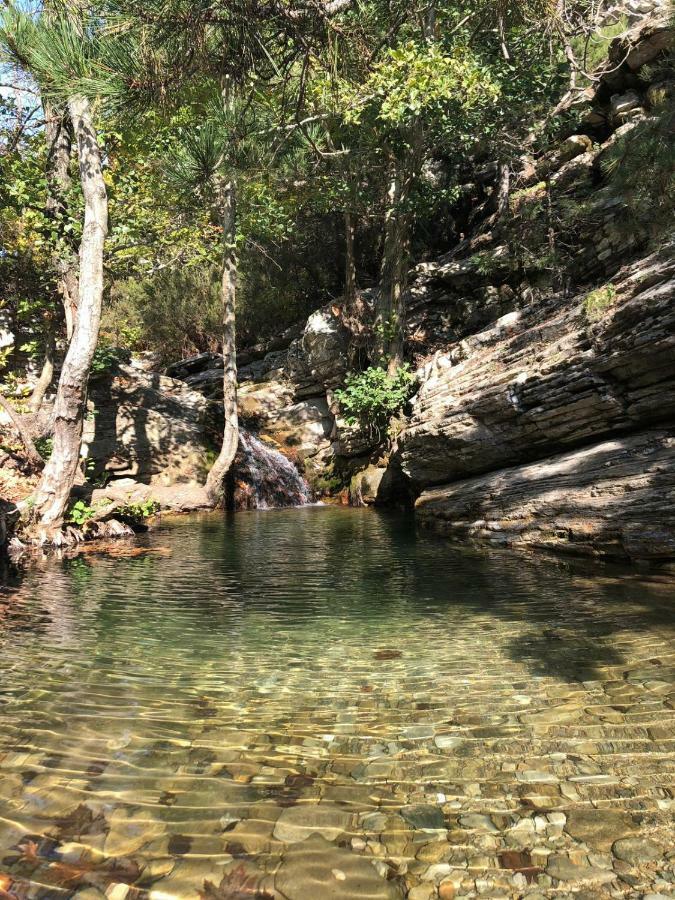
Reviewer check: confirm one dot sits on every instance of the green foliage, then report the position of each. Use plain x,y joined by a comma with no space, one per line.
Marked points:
640,167
591,51
143,509
106,358
598,302
44,446
372,397
174,313
421,79
80,513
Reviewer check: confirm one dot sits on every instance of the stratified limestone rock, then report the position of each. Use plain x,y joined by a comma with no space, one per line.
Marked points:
556,377
613,498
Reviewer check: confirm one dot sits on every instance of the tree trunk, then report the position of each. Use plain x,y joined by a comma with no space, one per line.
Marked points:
47,373
215,483
23,431
58,133
59,474
390,313
391,305
350,263
503,189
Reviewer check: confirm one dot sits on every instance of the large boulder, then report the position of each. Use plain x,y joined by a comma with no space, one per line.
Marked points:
319,359
146,426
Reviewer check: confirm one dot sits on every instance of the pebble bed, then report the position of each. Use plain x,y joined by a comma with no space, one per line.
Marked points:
427,750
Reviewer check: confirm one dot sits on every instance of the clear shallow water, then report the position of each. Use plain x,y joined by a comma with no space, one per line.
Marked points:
315,702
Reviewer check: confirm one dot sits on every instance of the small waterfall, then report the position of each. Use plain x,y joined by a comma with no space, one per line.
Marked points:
265,478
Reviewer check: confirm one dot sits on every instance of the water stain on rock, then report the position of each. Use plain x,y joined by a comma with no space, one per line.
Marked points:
520,861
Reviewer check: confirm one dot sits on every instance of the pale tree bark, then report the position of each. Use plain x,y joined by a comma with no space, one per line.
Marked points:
59,138
47,372
215,482
59,474
503,189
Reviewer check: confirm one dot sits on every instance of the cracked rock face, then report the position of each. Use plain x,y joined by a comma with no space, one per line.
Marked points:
554,429
554,381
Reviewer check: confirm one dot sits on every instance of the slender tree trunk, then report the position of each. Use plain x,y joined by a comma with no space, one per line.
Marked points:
215,483
390,313
47,373
59,136
60,471
23,431
391,304
503,189
350,262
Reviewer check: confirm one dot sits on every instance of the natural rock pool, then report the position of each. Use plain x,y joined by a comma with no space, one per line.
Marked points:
317,704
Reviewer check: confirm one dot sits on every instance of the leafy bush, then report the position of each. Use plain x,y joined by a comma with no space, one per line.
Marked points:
105,358
80,513
143,509
175,313
44,446
640,167
370,398
598,301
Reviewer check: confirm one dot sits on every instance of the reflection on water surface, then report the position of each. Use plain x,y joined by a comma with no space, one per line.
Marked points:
315,703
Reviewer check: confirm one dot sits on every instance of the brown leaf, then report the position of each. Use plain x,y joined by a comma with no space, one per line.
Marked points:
29,849
235,885
11,889
81,822
300,780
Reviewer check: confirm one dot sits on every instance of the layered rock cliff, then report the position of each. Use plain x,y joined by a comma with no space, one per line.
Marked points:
545,413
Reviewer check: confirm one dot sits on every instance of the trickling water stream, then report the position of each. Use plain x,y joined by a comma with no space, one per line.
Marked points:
316,703
265,478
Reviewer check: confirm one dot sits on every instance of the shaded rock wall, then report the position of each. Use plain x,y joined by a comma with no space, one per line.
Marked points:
547,378
614,498
546,408
146,426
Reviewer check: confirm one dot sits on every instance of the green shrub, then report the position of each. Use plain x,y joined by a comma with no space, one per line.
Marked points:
640,168
44,446
598,301
370,398
80,513
174,313
105,358
143,509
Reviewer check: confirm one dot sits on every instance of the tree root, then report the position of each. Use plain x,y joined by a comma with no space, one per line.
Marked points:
69,536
